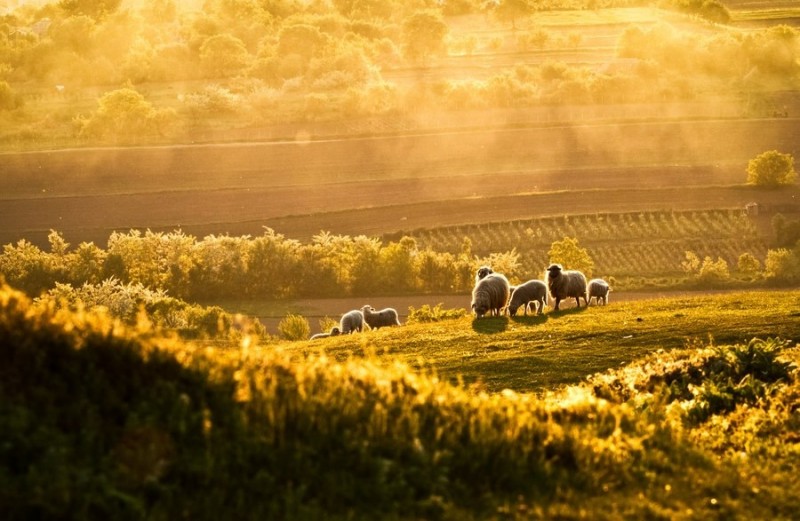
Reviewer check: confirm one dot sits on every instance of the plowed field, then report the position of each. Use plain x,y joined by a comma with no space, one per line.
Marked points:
389,183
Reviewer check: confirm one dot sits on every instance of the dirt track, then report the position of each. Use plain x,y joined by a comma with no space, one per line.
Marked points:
384,184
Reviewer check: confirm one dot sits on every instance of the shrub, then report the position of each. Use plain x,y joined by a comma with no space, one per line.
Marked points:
436,313
294,327
771,169
748,264
782,265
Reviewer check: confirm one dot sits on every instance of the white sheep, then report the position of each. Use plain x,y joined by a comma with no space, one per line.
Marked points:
383,318
527,293
352,321
565,284
490,295
333,332
597,289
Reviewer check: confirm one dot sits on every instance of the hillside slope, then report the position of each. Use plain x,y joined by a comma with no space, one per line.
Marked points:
98,422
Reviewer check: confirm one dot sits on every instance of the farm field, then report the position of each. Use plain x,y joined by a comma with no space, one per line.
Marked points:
387,184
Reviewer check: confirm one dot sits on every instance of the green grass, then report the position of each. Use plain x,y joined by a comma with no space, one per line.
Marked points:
536,353
102,422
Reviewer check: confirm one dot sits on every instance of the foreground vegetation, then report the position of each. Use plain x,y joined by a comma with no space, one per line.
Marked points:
100,421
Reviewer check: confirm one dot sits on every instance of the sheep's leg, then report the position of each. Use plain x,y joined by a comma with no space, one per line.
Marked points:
558,301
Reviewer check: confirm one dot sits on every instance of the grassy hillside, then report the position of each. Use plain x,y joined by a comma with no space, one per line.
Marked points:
538,352
99,422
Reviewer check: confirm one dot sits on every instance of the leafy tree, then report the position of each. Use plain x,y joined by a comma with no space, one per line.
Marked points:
224,55
713,271
748,265
771,169
782,265
510,10
569,254
94,8
423,35
121,113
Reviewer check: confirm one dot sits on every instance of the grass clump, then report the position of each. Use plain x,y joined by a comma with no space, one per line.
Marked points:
101,421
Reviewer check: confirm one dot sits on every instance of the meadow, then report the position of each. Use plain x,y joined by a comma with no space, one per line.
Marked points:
689,417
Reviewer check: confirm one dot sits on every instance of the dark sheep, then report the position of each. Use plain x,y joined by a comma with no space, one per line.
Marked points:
565,284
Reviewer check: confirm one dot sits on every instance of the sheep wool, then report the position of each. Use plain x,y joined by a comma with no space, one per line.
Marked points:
565,284
527,293
490,295
597,289
384,318
351,321
333,332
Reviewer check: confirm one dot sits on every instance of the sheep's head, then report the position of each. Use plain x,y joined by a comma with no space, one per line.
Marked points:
335,331
480,309
554,270
483,271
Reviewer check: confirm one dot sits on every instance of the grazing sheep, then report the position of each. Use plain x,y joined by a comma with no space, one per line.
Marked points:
482,272
351,321
597,289
333,332
383,318
565,284
531,292
490,295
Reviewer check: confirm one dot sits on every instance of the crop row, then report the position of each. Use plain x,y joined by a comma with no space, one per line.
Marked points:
593,228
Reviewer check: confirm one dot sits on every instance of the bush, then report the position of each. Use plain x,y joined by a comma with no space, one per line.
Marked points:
294,327
437,313
771,169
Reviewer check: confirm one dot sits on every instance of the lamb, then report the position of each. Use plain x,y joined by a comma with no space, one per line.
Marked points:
383,318
352,321
333,332
525,294
565,284
482,272
597,289
490,295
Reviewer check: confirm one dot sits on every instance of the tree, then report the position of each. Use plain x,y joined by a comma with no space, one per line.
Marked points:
510,10
782,265
748,265
120,113
571,256
224,55
94,8
423,35
771,169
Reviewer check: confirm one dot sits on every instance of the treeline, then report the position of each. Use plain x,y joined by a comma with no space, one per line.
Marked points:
259,63
267,266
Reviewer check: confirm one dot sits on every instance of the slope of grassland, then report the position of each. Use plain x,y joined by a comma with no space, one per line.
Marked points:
539,352
100,422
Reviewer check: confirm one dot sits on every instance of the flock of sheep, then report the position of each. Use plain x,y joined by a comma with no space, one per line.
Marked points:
493,296
354,321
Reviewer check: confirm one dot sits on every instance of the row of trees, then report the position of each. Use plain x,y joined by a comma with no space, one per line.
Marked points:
271,266
322,60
